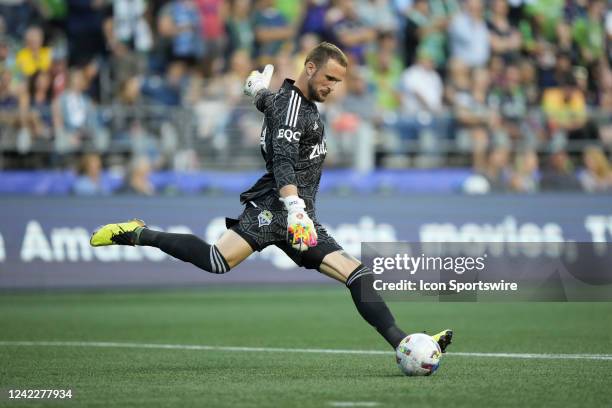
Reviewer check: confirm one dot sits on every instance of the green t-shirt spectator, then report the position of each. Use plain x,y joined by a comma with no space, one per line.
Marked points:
551,11
385,81
443,8
433,43
589,35
289,8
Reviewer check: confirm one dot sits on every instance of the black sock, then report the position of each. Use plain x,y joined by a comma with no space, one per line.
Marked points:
372,307
187,248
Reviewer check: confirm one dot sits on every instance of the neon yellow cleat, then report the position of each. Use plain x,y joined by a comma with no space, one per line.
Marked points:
116,234
444,338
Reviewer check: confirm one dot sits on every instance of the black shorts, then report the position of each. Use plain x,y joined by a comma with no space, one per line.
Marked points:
264,222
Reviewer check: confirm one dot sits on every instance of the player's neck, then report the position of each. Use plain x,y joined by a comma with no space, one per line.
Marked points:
302,85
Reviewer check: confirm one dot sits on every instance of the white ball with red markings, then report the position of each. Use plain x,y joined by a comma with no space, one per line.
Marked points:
418,354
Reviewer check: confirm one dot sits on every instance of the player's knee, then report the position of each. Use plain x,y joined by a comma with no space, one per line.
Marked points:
216,262
359,275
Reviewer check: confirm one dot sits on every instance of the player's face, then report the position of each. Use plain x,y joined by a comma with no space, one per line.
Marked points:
324,79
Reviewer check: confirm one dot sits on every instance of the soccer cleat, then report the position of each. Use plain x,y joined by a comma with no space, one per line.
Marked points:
116,234
444,338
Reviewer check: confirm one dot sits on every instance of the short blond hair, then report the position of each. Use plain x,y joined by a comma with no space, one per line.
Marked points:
323,52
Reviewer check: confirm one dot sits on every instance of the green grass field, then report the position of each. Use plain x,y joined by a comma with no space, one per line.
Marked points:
312,317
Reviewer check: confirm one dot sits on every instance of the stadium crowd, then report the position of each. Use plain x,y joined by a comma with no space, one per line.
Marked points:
520,90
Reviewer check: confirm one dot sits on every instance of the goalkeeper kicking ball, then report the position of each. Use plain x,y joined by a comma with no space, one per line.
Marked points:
418,354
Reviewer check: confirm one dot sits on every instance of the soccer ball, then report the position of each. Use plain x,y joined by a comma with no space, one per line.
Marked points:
418,354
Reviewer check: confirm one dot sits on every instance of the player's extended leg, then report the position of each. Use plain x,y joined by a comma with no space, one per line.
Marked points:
358,279
226,253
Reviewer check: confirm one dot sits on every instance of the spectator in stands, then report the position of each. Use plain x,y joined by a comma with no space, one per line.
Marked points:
422,87
597,174
384,72
469,36
505,39
127,28
349,31
352,123
89,182
472,115
272,31
496,170
129,38
35,105
167,90
75,118
566,111
306,43
608,24
547,14
589,35
16,15
141,143
211,13
221,97
444,9
179,24
539,49
604,119
559,174
563,68
509,99
33,57
240,67
529,81
9,102
129,92
59,74
6,56
424,32
138,179
84,29
525,177
313,20
377,14
238,26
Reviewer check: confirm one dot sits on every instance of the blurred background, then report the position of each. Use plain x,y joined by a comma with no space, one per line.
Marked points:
104,97
458,120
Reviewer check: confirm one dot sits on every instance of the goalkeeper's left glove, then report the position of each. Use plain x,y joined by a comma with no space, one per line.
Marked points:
257,81
301,232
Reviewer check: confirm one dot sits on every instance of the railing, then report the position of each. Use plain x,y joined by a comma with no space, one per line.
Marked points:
214,134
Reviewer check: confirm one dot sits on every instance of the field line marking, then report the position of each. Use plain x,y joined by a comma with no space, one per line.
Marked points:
354,403
607,357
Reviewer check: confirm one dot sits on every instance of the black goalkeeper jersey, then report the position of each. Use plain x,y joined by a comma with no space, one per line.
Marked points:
292,143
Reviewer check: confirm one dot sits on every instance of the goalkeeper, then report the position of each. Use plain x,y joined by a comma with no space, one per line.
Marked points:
280,206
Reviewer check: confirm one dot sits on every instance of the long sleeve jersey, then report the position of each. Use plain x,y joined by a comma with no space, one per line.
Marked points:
292,144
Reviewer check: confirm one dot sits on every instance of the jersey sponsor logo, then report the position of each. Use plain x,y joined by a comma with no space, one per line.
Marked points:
289,135
318,150
264,218
293,109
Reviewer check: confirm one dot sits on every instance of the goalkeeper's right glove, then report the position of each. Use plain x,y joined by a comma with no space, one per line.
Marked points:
301,232
257,81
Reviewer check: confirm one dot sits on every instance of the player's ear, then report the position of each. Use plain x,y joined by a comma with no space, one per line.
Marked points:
310,68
